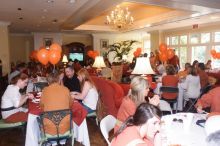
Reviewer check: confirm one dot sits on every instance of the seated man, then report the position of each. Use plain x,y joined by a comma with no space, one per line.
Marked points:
55,97
211,99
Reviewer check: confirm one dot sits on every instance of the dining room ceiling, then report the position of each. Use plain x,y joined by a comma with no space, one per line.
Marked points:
25,16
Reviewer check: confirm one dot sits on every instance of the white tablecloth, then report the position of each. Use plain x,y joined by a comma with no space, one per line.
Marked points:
175,134
33,132
180,95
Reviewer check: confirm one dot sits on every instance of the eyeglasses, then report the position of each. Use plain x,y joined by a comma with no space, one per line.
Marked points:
178,120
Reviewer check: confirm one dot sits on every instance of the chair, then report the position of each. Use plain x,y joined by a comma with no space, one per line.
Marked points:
39,86
106,125
168,89
165,106
55,117
203,91
6,126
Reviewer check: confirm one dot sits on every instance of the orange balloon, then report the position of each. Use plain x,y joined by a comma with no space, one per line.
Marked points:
90,53
33,55
163,47
213,52
42,56
95,53
56,47
54,56
139,50
170,53
163,57
217,55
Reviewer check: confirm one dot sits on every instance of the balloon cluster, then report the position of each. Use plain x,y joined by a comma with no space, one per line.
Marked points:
165,53
215,54
44,56
92,54
137,53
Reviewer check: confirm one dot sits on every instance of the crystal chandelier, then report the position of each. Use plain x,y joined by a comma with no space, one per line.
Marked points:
120,18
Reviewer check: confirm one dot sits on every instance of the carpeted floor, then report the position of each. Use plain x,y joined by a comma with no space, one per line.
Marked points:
14,137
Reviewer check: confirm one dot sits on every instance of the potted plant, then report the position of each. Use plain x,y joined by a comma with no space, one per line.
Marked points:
120,49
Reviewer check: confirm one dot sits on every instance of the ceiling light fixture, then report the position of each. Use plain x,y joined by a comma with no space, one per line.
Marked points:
120,18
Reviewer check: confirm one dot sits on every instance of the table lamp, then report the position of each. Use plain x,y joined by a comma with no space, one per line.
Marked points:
64,60
143,68
99,63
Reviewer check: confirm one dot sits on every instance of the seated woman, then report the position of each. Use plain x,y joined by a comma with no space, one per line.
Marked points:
55,97
12,100
141,129
170,80
89,94
192,84
136,96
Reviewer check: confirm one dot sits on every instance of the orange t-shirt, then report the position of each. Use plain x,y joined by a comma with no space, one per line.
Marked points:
56,97
128,135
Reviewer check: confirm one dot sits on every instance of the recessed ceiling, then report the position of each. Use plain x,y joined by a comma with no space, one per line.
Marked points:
89,15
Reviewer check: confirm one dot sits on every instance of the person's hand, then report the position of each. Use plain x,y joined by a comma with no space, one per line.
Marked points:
199,109
155,100
29,96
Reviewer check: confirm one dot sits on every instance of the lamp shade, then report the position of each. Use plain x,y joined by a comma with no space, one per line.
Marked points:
99,62
64,60
143,66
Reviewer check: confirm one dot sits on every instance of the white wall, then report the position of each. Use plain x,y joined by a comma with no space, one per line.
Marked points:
39,39
113,38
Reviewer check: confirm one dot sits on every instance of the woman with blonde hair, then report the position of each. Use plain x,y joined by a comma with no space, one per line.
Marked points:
139,90
89,94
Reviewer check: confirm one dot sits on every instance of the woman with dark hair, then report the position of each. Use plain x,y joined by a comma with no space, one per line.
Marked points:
143,128
195,64
12,100
89,94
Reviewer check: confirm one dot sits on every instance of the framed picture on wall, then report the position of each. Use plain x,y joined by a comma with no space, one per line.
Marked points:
103,43
48,42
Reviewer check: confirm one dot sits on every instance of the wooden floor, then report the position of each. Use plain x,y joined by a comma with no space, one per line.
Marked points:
14,137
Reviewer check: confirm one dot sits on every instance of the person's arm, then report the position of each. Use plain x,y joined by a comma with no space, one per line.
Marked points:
85,90
155,100
205,101
24,98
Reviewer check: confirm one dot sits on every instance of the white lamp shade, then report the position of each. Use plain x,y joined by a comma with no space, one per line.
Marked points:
143,66
64,60
99,62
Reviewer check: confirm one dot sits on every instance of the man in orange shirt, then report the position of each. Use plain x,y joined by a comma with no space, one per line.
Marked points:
175,62
211,99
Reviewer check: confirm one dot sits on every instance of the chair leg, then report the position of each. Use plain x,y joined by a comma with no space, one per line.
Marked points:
176,106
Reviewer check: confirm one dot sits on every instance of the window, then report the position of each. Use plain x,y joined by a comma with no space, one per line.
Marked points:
205,37
217,36
183,39
147,46
194,39
174,40
216,62
168,41
183,56
199,53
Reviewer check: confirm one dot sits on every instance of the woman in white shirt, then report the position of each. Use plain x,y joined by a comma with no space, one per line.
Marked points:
191,84
89,94
12,100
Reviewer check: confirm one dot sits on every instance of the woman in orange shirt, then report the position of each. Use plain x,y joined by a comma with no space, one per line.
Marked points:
141,129
139,90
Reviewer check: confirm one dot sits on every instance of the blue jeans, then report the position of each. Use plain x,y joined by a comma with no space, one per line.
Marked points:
89,110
